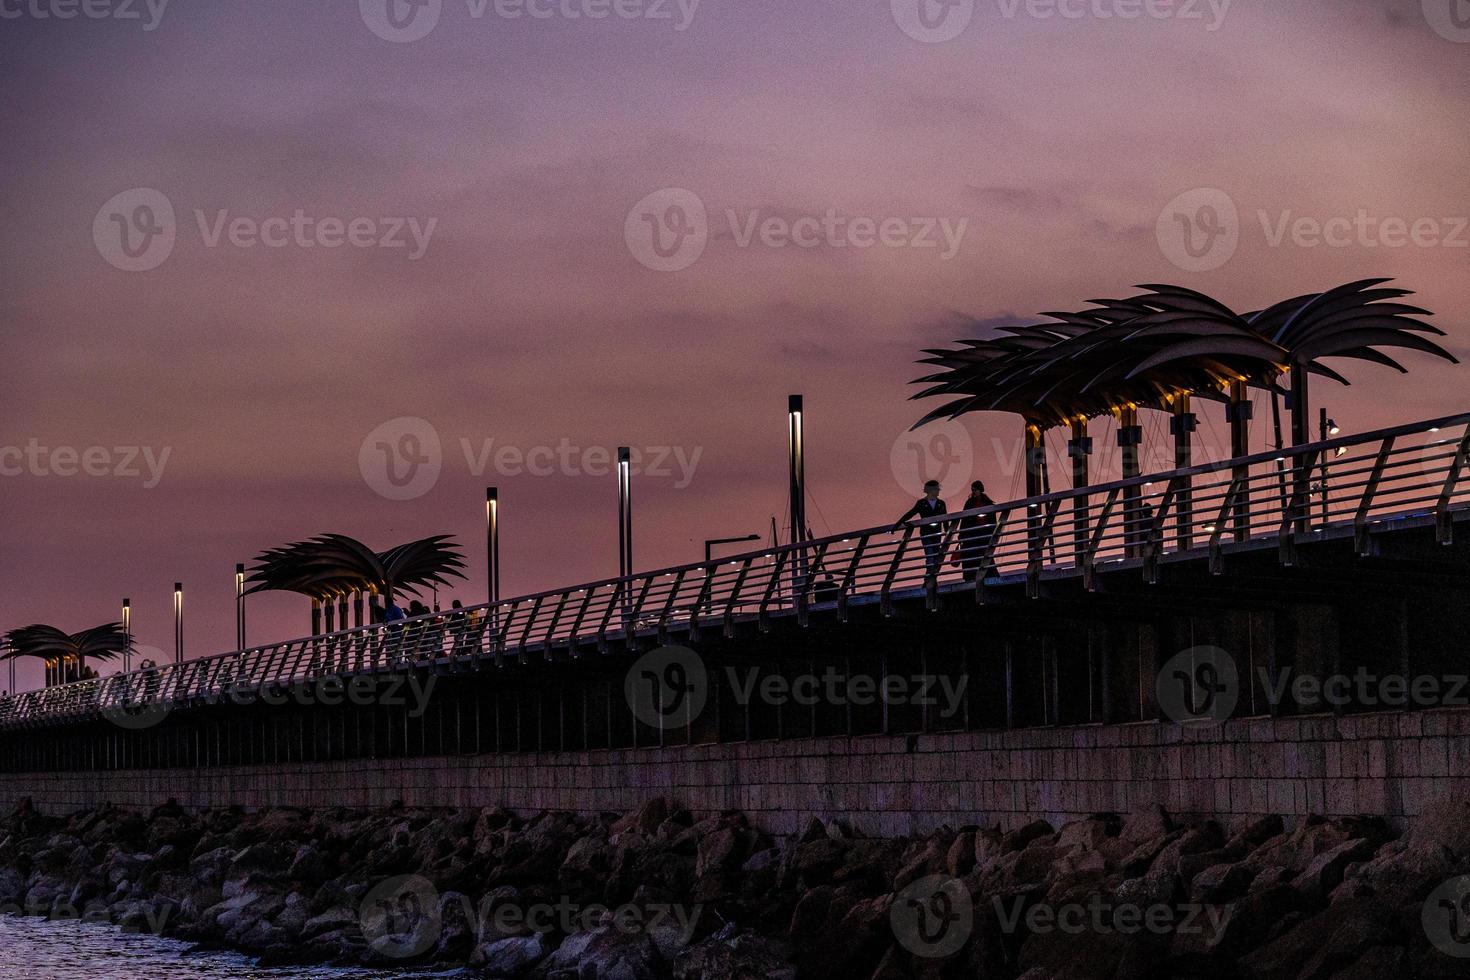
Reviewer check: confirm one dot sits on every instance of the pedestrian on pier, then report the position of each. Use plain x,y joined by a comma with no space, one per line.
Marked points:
976,531
930,535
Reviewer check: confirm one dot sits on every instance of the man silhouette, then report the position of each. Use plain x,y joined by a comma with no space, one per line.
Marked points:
931,535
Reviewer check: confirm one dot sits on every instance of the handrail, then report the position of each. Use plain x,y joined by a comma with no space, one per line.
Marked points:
1127,520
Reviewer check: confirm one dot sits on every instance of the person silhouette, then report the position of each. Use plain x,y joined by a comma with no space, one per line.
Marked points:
930,535
975,533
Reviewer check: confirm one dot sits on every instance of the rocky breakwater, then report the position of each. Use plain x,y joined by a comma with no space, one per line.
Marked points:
657,893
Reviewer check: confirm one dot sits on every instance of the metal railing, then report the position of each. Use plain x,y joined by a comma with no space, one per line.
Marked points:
1344,486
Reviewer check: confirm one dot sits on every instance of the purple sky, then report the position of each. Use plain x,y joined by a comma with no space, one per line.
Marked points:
1055,143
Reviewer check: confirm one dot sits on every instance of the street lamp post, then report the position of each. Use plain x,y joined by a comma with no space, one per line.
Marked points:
796,488
127,625
178,622
625,513
240,606
492,551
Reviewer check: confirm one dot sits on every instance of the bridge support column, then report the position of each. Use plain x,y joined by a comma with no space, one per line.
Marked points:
1130,437
1035,482
1182,425
1079,447
1301,475
1239,415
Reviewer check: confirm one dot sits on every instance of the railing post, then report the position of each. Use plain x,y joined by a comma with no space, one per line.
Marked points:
1444,527
1365,503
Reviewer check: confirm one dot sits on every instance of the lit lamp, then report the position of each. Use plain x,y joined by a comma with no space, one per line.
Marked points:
178,622
796,468
240,607
127,624
625,512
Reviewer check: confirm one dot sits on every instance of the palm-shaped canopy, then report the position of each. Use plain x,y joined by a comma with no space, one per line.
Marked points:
1143,350
331,565
51,644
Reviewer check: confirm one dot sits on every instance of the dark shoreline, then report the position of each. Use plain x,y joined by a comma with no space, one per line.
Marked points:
657,894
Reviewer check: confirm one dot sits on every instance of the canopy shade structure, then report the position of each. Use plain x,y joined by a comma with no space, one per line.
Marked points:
335,565
56,646
1146,350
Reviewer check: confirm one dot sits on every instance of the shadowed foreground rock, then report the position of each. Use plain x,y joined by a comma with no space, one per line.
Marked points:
658,894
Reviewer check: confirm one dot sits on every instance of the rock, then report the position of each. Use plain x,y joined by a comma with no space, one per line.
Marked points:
1325,872
716,851
745,956
1220,883
511,957
1022,837
645,819
959,860
1319,946
1088,834
1146,824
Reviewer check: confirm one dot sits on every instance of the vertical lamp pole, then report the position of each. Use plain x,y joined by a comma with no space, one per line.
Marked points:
178,622
492,551
239,606
1239,415
796,467
625,513
127,624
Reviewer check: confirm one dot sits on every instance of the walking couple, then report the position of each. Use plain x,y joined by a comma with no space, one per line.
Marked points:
975,530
